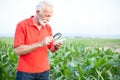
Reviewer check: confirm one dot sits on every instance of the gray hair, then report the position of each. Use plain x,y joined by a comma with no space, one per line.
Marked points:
42,4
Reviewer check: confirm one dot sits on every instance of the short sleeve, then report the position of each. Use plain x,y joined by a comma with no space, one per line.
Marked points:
19,37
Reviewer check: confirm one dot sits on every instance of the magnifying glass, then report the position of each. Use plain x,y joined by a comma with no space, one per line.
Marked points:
57,36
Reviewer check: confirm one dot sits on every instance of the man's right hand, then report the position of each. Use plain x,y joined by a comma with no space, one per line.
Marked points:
46,41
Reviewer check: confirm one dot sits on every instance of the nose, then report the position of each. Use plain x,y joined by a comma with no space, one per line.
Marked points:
48,20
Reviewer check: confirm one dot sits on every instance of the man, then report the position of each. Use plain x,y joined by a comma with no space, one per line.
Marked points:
33,36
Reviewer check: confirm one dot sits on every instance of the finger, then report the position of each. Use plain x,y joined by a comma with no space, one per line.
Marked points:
50,38
59,45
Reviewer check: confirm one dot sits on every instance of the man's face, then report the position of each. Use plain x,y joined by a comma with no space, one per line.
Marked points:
44,16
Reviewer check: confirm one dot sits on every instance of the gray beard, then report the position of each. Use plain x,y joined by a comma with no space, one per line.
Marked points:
43,22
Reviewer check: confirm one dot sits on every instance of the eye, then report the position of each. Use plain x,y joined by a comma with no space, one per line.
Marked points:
48,15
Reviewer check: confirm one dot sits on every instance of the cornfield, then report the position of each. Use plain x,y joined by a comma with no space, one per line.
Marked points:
73,61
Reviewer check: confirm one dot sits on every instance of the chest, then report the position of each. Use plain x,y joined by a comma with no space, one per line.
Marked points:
33,34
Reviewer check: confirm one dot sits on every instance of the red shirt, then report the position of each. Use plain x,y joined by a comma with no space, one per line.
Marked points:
27,33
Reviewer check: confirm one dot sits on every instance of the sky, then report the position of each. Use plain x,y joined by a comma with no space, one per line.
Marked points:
69,16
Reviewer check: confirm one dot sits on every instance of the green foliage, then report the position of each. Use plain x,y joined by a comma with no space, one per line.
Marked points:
74,61
8,40
8,61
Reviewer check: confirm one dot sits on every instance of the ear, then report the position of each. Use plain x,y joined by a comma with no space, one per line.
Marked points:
37,12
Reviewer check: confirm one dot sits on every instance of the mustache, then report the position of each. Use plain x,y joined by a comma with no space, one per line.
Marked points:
45,21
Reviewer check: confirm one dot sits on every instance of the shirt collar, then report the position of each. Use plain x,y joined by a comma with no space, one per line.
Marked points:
30,21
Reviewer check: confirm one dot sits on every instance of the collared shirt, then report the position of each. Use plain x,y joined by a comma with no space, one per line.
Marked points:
27,33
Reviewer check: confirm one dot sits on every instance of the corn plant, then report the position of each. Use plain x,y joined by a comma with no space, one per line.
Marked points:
8,62
74,61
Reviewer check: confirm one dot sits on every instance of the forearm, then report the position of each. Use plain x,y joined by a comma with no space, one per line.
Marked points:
25,49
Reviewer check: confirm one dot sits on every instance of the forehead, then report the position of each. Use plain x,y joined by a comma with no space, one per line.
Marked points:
47,9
